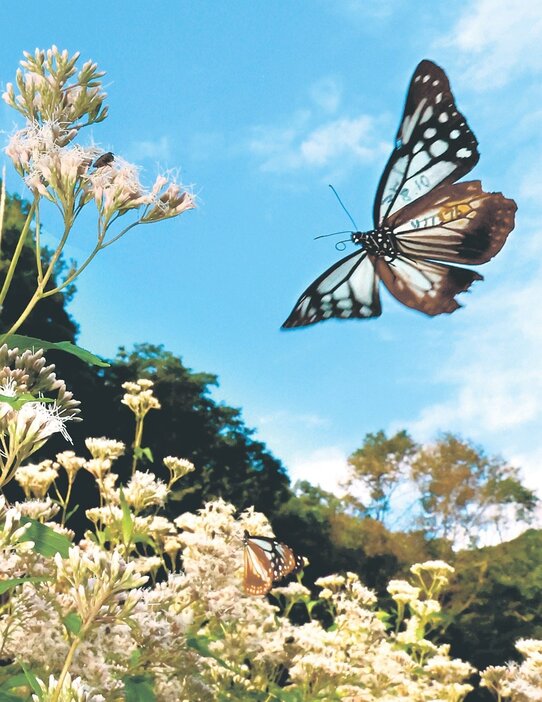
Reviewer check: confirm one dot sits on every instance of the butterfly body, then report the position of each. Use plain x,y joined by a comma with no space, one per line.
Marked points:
378,242
423,219
266,562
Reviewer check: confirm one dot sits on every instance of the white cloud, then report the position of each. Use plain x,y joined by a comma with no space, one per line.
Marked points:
494,372
343,141
284,418
311,139
326,94
158,149
325,466
496,40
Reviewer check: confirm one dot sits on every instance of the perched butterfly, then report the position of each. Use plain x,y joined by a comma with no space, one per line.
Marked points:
104,160
422,218
267,561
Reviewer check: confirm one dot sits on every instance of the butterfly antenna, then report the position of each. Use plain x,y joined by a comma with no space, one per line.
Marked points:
323,236
344,208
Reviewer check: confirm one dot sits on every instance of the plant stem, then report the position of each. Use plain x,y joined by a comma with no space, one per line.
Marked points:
137,441
39,267
17,252
38,293
66,501
65,669
2,204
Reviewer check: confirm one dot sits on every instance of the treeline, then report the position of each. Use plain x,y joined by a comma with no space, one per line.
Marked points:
446,493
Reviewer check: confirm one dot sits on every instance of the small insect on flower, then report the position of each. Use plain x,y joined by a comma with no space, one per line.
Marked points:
104,160
267,561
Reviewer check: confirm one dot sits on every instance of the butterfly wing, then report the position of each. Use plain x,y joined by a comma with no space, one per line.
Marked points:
266,562
434,144
457,223
258,572
424,285
348,289
292,563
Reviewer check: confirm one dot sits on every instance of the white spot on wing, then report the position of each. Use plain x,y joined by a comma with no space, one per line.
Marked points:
438,148
410,122
418,162
454,134
430,132
427,115
443,117
464,153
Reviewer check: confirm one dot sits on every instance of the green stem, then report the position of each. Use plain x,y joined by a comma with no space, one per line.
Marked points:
2,204
38,293
137,441
17,252
65,669
74,275
39,267
66,501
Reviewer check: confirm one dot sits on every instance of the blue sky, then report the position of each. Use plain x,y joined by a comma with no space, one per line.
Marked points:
261,105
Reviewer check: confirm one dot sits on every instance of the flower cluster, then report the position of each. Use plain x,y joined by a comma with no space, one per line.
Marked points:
517,682
139,397
57,101
36,405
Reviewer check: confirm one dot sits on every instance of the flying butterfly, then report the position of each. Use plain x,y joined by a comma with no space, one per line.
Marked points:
267,561
423,219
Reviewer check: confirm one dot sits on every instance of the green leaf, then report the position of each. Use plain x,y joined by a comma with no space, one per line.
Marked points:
135,657
30,342
9,696
32,680
139,688
73,622
6,585
71,512
201,645
127,523
17,401
17,680
47,541
141,452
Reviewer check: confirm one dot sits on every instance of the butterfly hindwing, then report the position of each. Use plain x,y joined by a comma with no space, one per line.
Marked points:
266,562
348,289
458,223
425,286
434,144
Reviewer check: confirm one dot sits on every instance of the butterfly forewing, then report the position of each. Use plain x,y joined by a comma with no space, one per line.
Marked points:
434,144
266,562
348,289
457,223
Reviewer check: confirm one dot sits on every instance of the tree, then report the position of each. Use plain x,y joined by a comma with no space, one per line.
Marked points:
191,424
465,493
380,465
497,599
456,492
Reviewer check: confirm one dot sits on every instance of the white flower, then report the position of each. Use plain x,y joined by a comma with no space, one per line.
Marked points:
72,690
36,478
178,467
402,591
101,448
145,490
